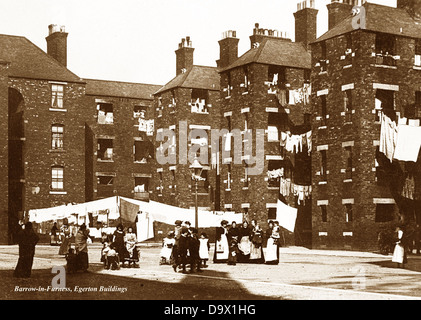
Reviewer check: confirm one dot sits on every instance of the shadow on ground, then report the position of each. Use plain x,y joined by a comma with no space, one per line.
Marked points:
414,264
187,288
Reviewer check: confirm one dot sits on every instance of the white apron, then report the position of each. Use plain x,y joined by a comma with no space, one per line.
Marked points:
222,249
271,251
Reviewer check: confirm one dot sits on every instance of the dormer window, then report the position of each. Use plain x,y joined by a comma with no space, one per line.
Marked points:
385,49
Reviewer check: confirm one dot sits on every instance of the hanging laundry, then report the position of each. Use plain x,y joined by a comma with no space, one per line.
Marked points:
403,121
408,143
388,137
143,125
309,142
282,97
228,142
408,190
414,122
277,173
150,127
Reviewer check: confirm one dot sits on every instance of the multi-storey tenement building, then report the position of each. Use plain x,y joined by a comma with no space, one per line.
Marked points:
48,114
268,88
358,74
189,101
119,146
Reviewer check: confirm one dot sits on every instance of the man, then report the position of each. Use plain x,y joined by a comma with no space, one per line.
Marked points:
81,244
27,240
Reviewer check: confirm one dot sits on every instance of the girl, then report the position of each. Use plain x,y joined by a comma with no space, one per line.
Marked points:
204,249
244,245
167,247
256,255
272,250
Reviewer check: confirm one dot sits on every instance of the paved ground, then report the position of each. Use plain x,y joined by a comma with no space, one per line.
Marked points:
301,275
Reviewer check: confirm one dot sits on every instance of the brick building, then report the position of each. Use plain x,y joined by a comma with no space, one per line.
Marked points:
49,113
256,94
188,102
358,74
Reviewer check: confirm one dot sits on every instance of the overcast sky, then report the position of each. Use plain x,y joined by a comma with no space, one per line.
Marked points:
135,40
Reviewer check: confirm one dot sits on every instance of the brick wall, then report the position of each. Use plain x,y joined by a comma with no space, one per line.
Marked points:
4,221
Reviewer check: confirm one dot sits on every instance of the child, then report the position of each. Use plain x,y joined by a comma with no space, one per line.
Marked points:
104,251
183,246
194,248
71,261
167,247
204,249
111,259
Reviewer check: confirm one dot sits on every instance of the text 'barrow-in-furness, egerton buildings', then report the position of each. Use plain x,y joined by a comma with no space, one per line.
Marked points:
316,105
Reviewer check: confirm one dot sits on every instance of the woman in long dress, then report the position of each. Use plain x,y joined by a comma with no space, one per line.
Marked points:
67,235
118,242
256,238
244,245
233,237
27,240
130,240
399,254
272,250
221,245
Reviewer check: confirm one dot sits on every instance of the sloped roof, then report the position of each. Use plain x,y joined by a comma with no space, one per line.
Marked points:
120,89
29,61
275,52
196,77
379,18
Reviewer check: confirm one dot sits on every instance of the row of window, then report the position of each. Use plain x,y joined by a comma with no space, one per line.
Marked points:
384,213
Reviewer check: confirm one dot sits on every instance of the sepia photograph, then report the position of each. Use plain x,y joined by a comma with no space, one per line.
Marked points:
210,156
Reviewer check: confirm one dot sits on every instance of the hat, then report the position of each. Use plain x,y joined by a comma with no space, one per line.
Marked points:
178,222
224,222
184,230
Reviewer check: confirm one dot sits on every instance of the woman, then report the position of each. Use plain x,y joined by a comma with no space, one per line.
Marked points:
221,245
81,244
27,240
399,254
256,238
53,234
233,237
272,250
67,235
118,242
130,240
244,245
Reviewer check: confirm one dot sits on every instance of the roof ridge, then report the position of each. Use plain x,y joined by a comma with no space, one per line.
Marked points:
126,82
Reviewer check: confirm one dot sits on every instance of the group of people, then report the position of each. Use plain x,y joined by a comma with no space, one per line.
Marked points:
119,248
184,247
245,244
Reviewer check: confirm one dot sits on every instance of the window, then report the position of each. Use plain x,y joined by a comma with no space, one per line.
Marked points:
105,149
323,165
229,85
229,123
348,105
417,62
57,133
348,213
275,171
57,178
323,209
229,176
385,212
385,102
161,183
173,184
246,175
139,112
203,184
277,122
348,159
141,151
385,49
323,110
271,213
57,94
307,75
246,78
323,59
160,108
105,180
277,76
199,101
105,113
141,184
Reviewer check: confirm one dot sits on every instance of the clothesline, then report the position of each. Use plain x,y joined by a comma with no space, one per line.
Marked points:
400,141
297,143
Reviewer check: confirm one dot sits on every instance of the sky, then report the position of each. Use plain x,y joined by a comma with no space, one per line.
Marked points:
135,40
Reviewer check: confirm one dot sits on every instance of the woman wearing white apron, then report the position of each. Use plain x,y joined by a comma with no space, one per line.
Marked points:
221,245
272,248
399,254
244,246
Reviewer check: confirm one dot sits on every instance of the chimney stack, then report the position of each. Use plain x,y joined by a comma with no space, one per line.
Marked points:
306,22
184,55
412,6
228,49
339,10
259,34
57,43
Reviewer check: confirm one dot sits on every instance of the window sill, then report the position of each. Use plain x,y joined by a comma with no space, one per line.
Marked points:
228,190
348,123
58,192
322,127
273,188
105,124
348,66
322,72
58,110
416,67
140,162
245,188
200,112
384,66
244,93
229,97
57,150
105,161
322,183
347,180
